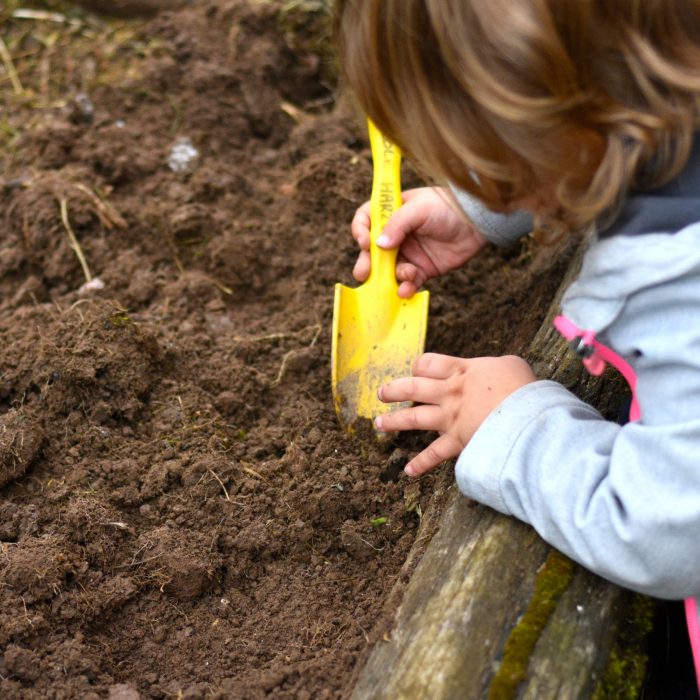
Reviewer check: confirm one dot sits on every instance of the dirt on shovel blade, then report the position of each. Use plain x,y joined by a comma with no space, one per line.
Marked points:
180,513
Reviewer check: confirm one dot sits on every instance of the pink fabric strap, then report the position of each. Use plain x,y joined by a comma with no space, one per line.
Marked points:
691,619
594,356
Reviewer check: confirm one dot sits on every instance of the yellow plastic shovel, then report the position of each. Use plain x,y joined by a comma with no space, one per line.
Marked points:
376,334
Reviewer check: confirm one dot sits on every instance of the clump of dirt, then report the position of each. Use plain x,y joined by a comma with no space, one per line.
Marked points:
180,514
21,438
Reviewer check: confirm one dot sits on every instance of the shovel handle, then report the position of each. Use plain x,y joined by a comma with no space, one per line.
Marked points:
385,200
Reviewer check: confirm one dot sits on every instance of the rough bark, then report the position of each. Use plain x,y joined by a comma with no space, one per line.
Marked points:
492,611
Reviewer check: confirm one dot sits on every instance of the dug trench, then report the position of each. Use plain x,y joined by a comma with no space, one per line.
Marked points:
180,514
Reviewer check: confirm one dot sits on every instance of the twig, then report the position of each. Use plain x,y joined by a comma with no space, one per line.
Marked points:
109,216
252,472
10,68
138,563
288,356
220,286
369,544
44,16
298,115
306,5
364,632
74,241
45,68
315,338
26,612
278,336
120,525
216,533
285,360
221,483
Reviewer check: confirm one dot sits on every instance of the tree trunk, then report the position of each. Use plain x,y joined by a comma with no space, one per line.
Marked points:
493,612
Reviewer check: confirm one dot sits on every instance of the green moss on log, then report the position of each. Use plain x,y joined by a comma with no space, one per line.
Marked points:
552,580
627,665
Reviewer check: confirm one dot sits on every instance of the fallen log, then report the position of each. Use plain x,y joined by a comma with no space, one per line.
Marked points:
492,611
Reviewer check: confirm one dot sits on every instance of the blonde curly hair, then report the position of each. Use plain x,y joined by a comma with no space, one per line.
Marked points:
564,103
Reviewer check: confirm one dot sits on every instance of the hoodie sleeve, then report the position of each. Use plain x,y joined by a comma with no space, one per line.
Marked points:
624,501
500,229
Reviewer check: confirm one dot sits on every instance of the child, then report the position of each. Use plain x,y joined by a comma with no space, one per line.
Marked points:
568,114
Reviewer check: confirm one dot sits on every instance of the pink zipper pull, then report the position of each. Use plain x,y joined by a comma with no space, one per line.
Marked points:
594,364
595,355
583,345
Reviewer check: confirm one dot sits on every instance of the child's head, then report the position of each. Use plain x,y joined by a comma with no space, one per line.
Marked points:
569,101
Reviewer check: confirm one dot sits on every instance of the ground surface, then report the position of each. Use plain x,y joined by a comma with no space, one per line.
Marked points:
180,515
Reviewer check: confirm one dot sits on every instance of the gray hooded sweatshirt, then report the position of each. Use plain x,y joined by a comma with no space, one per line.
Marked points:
622,500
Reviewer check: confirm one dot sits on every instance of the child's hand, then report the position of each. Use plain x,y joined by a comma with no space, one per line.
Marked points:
455,397
431,235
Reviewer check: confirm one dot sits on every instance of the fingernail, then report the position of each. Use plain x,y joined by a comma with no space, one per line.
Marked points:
409,470
379,393
383,241
378,422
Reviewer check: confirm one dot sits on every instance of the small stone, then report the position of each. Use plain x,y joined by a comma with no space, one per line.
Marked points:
183,156
94,285
123,691
82,110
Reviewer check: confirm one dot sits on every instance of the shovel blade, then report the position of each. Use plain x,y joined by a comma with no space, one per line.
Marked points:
376,338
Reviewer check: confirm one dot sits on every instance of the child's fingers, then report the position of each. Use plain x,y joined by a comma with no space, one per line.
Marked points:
410,272
362,266
414,418
436,366
406,271
415,389
445,447
402,222
409,278
360,226
407,290
413,251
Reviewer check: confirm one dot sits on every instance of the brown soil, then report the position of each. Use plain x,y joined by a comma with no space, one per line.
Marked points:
180,515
